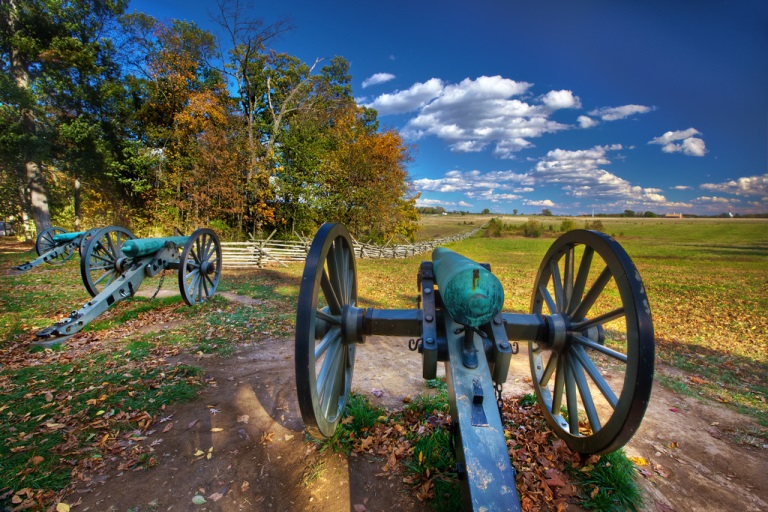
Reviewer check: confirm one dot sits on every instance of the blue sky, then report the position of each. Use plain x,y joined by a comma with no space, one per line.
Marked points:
576,107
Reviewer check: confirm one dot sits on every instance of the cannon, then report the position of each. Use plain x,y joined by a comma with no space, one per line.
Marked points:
56,246
589,333
114,264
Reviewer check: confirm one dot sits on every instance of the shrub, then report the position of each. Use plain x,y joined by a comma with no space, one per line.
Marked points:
597,225
567,225
533,229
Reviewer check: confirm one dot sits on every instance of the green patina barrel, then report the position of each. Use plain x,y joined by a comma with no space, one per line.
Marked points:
63,238
140,247
471,294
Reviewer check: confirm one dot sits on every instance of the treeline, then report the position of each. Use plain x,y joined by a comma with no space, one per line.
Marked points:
108,117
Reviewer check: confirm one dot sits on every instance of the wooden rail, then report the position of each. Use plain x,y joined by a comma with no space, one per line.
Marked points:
258,253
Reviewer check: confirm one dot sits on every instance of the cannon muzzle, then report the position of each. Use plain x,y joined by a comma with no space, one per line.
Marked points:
471,293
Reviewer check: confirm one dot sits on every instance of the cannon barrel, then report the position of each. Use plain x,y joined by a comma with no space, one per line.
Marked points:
470,293
140,247
63,238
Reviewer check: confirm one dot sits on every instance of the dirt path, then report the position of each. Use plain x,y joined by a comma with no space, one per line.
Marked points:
249,423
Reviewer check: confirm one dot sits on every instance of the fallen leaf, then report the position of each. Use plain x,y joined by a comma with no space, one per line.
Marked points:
168,427
215,496
674,409
62,507
216,429
192,424
199,453
243,418
359,507
377,393
638,461
245,486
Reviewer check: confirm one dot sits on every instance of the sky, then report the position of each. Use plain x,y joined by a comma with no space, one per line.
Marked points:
593,106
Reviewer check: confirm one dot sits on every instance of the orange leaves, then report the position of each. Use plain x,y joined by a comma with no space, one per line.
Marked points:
540,459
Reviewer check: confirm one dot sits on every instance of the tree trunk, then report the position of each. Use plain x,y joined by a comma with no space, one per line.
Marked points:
38,196
35,189
77,203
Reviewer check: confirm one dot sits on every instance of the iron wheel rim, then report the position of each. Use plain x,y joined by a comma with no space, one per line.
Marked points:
565,373
324,359
103,252
200,267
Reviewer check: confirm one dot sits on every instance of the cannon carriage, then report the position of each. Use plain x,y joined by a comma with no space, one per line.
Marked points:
589,332
115,263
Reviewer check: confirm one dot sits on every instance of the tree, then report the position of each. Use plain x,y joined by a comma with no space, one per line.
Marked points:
629,213
367,183
485,211
514,212
546,212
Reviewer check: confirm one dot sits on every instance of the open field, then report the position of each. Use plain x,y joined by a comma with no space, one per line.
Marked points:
707,281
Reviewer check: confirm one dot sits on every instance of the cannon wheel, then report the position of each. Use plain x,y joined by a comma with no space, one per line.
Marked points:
86,238
324,358
594,297
100,263
45,243
200,267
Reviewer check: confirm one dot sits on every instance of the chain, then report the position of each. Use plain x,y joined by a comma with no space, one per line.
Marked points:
160,285
497,387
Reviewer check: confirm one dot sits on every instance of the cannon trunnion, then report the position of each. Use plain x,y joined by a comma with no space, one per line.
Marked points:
589,333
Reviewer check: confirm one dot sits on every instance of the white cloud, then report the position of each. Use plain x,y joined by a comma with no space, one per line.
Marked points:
413,98
561,99
681,187
690,145
713,199
464,204
433,202
476,114
616,113
586,122
494,186
748,186
546,203
378,78
581,175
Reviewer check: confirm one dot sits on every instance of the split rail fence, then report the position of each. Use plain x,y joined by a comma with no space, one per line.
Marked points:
258,253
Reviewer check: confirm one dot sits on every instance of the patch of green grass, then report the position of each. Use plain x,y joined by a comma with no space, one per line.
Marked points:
610,485
360,415
46,406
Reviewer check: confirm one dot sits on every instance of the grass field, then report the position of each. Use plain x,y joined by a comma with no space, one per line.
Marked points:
707,281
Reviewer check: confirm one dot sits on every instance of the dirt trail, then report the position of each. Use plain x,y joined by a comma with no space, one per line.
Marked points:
260,460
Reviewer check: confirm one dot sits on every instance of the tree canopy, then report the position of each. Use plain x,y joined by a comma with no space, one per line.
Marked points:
115,118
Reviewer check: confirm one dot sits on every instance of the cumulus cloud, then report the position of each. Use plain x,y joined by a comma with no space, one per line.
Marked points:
413,98
378,78
545,203
682,187
713,199
580,174
616,113
689,145
556,100
477,114
586,122
747,186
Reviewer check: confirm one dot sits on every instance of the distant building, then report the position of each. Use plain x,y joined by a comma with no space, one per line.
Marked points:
673,215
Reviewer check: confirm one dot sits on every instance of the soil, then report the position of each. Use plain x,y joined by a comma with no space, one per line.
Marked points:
260,459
